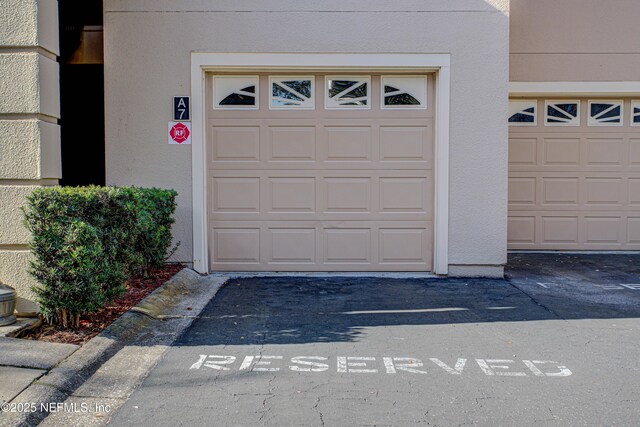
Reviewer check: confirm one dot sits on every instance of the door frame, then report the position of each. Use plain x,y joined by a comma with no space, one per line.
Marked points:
206,62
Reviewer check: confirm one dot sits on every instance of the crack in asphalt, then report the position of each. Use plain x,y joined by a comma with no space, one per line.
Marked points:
315,408
535,301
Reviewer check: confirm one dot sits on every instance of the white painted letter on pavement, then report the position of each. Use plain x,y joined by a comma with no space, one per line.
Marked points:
246,363
489,367
214,364
392,365
256,363
408,364
313,366
562,372
456,370
347,364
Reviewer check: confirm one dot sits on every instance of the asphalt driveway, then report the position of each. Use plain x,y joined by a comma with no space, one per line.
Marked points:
557,343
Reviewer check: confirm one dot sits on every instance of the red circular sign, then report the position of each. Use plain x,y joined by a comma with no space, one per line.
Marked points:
179,133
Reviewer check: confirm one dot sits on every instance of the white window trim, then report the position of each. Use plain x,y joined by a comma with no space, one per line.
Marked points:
238,107
404,107
312,100
593,123
548,102
327,99
203,62
634,104
535,113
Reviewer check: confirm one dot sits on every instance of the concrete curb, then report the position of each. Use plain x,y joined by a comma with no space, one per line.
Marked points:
158,320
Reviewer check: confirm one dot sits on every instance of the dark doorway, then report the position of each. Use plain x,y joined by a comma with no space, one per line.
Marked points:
81,92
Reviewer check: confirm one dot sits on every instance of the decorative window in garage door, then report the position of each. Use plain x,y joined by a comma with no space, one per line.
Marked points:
291,92
347,92
235,92
404,92
562,113
635,113
523,113
605,113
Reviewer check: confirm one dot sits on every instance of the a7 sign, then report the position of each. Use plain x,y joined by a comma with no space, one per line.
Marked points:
181,112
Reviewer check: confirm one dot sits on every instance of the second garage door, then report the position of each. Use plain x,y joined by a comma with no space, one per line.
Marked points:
574,174
320,172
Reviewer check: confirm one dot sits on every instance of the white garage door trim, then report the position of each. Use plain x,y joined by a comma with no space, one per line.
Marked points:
541,89
202,62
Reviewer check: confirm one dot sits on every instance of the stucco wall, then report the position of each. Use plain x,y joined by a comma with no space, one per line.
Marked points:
574,40
29,133
147,60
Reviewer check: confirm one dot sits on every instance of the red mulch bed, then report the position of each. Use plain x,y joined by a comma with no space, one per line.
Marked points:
138,287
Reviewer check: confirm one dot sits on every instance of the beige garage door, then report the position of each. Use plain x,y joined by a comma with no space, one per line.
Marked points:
574,177
320,172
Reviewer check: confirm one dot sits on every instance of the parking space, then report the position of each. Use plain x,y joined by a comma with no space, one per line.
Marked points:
602,286
549,345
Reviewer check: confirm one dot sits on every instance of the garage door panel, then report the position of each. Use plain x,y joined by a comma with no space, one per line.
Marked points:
405,143
556,153
236,246
557,192
605,151
604,191
634,192
291,194
347,143
235,143
522,190
347,245
521,231
561,151
523,151
587,188
633,230
347,195
324,195
404,245
560,229
602,230
574,231
235,194
292,143
560,191
290,245
634,151
329,246
404,195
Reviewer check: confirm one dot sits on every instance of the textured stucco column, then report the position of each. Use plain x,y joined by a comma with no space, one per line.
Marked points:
29,131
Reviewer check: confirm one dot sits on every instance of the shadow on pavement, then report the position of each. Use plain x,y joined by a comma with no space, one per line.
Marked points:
292,310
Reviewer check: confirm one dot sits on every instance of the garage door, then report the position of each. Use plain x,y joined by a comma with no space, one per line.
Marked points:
320,172
574,174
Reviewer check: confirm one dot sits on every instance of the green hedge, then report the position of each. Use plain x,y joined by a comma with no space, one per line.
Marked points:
88,240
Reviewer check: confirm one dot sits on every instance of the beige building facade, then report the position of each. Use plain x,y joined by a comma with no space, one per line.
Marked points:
574,155
426,136
29,131
453,44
